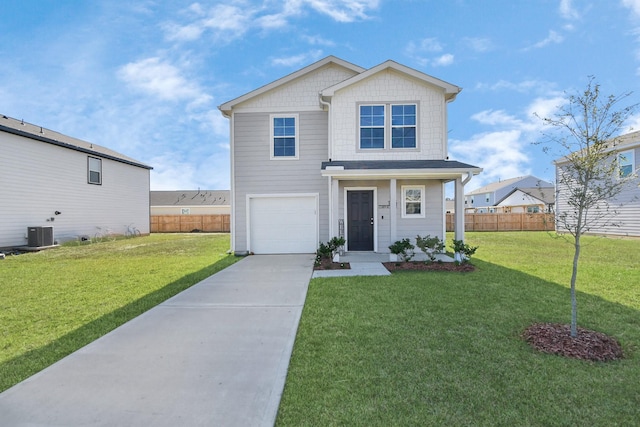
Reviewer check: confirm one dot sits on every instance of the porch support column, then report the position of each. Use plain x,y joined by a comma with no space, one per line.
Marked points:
334,192
393,211
459,213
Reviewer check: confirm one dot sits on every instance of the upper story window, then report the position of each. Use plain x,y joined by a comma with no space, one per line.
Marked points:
384,126
625,163
94,170
372,126
413,201
284,136
403,126
487,197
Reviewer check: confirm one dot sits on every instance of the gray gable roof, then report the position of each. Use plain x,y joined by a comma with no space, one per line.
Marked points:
546,195
511,182
397,164
191,198
38,133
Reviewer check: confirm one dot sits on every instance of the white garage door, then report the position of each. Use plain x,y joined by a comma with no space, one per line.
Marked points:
283,225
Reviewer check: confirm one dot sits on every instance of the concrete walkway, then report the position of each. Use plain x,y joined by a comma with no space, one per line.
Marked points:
217,354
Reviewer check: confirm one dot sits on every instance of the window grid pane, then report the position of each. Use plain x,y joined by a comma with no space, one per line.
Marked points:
372,126
413,201
284,141
403,126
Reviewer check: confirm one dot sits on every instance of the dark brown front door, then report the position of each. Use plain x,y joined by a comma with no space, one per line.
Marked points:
360,220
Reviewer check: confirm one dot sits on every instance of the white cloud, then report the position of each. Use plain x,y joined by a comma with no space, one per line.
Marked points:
444,60
227,22
318,40
634,5
505,151
161,79
342,10
501,154
552,37
478,44
297,60
567,11
422,51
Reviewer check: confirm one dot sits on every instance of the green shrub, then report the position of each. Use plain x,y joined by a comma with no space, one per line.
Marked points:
404,248
465,251
430,245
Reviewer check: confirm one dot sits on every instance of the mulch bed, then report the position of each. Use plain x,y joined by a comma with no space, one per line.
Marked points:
330,265
428,266
555,338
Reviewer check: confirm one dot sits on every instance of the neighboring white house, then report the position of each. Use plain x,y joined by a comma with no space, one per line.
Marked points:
627,204
528,200
487,198
335,149
80,189
191,202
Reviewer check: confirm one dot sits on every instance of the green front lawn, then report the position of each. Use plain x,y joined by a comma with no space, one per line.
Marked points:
54,302
437,348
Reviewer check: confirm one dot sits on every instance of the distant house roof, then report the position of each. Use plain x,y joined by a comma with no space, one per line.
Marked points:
191,198
38,133
495,186
546,195
624,142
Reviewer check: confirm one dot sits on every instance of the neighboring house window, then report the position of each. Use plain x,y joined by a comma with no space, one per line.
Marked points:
413,201
95,170
403,126
487,197
284,136
383,126
625,163
533,209
185,211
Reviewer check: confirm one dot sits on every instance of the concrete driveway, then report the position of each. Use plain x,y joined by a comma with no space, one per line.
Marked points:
215,355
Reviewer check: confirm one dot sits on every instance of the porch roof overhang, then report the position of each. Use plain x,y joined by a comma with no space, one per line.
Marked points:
445,170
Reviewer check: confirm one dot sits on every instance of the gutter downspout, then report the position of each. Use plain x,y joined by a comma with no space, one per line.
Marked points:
232,221
332,229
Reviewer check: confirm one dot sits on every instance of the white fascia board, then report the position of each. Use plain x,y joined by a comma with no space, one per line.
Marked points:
449,89
399,173
228,106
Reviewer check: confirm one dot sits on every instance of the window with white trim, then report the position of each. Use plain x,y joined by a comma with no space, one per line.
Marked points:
284,136
94,170
625,163
387,126
413,201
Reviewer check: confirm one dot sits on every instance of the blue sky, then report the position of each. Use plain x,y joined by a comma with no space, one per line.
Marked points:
145,77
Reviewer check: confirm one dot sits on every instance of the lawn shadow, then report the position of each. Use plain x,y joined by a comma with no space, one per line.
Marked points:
23,366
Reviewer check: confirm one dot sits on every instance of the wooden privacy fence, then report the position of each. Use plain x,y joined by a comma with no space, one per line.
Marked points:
505,222
189,223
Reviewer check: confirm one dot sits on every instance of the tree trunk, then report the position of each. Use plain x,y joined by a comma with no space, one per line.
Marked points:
574,275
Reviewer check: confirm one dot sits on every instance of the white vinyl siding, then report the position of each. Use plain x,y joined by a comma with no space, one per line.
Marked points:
46,178
255,174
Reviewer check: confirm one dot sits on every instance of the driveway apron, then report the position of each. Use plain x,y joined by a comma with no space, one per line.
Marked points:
214,355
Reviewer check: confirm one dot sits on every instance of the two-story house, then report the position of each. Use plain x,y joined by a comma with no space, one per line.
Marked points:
63,188
625,207
335,149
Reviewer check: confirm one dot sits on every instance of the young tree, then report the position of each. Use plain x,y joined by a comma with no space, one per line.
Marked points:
584,133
